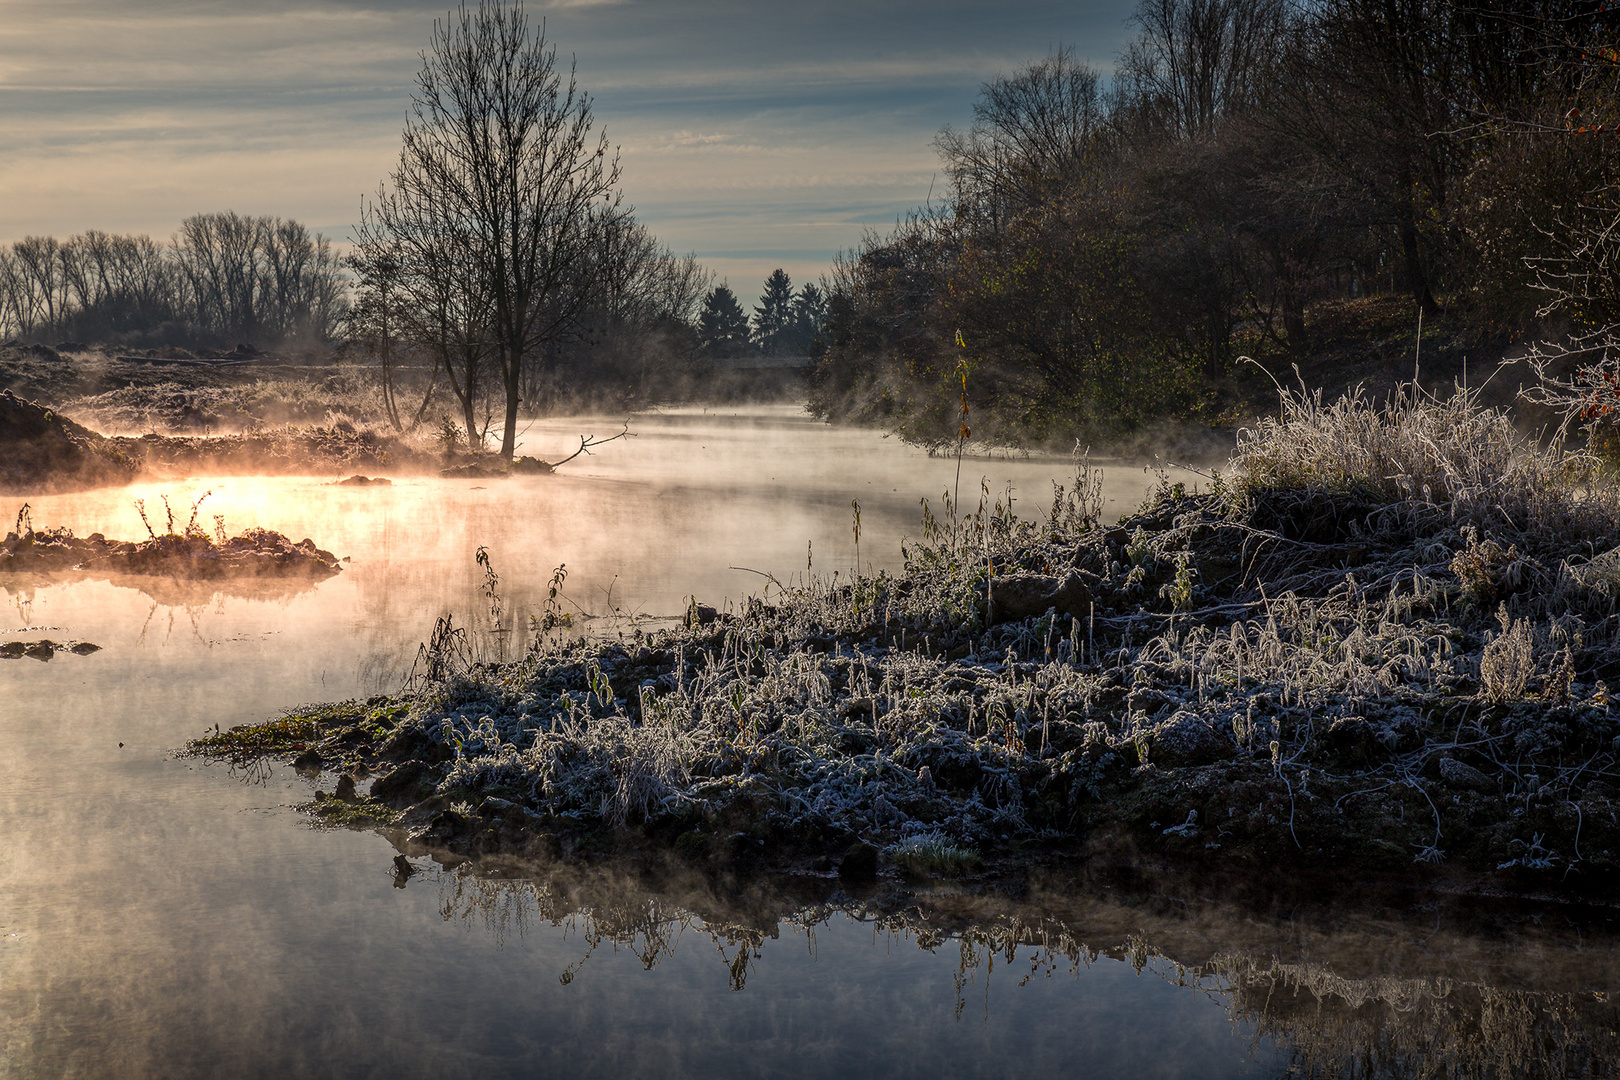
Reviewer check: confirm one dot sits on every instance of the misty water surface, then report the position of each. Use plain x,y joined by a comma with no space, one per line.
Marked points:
159,917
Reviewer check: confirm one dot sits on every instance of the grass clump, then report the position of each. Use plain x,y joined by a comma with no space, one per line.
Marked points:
246,743
933,854
1421,453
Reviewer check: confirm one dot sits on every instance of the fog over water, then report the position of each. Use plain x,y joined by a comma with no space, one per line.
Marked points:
161,917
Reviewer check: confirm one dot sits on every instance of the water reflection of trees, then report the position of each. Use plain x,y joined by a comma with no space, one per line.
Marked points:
176,592
1330,1014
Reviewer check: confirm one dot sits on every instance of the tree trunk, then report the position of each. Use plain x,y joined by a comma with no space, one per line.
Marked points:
1417,275
512,370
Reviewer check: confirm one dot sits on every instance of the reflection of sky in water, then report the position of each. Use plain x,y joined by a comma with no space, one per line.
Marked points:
162,918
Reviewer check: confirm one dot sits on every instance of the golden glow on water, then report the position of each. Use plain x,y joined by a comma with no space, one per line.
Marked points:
641,525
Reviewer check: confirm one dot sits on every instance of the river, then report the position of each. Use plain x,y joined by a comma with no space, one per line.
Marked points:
160,917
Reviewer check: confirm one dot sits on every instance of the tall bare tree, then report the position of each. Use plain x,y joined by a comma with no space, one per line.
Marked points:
501,177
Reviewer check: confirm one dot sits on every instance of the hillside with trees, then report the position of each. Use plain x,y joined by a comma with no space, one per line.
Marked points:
1286,181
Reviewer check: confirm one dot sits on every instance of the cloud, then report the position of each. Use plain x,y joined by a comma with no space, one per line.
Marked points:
743,127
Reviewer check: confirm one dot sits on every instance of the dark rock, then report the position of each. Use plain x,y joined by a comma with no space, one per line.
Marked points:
308,762
1147,701
860,862
398,788
411,742
1187,739
1353,742
854,708
701,615
11,650
447,826
402,871
85,648
1458,774
1026,596
494,806
365,481
345,789
40,650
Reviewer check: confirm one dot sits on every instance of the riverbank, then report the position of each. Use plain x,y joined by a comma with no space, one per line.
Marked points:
1381,647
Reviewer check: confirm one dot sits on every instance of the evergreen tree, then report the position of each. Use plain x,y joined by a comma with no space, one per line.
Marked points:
809,313
773,318
722,325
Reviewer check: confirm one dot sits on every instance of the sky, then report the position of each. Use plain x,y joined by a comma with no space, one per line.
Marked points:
757,135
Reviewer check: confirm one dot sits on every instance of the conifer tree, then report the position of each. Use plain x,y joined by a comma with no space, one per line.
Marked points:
722,325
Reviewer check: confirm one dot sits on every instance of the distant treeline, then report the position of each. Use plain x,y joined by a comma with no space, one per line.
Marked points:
1108,248
223,279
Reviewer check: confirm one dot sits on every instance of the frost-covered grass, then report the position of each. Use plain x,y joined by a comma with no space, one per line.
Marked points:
1417,451
1296,667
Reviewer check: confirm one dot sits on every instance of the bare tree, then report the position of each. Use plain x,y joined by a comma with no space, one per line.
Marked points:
501,176
1032,133
1196,62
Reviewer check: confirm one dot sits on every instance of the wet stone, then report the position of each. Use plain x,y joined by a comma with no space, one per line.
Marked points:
1458,774
1188,739
860,862
398,787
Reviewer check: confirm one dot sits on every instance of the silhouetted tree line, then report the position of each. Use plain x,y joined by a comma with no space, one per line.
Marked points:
785,323
1106,249
224,278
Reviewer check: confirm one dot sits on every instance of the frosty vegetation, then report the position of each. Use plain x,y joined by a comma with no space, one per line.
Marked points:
1382,642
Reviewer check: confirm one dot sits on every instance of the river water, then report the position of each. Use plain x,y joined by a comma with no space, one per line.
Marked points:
159,917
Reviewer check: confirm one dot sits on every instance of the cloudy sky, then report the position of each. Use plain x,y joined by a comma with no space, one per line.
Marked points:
755,134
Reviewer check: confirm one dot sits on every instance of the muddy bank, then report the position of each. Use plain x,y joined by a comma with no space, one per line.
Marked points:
41,450
290,450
